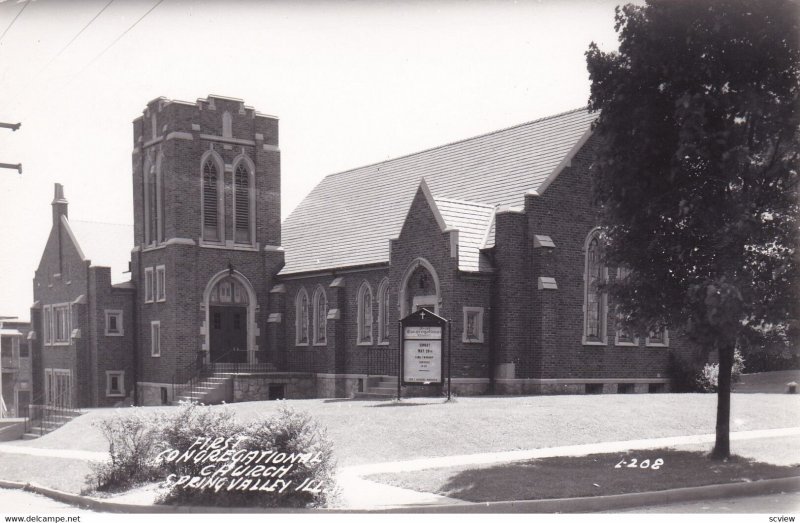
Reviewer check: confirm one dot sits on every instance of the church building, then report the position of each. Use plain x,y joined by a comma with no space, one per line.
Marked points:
495,233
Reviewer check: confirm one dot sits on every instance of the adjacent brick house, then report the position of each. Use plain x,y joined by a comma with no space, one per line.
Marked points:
496,233
83,347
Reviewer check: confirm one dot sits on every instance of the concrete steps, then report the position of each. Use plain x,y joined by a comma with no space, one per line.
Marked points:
205,388
49,424
379,388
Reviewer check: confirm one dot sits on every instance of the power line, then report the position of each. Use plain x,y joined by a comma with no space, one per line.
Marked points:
14,20
35,77
117,39
79,33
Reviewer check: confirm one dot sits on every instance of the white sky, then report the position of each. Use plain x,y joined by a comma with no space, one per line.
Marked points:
352,82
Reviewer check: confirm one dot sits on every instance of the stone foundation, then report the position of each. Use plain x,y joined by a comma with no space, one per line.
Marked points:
340,385
256,387
523,387
150,393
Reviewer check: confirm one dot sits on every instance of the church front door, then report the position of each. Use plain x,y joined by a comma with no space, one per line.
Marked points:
228,334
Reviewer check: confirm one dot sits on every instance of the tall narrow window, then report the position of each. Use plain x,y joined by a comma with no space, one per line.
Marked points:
160,200
152,204
383,312
148,285
320,317
161,283
623,336
594,301
46,324
242,203
210,201
301,318
155,339
227,125
365,314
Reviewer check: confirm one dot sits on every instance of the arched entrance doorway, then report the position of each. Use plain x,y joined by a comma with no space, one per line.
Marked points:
230,320
419,288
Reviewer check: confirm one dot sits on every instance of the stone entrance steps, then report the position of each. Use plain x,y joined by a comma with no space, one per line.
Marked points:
49,424
217,387
208,390
379,388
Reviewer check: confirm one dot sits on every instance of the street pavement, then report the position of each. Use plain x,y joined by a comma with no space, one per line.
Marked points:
772,504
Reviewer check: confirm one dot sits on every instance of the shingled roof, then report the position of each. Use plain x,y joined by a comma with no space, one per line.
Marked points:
349,217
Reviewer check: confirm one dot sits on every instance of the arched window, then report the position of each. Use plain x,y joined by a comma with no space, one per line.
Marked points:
383,311
241,203
365,314
320,316
301,318
594,328
211,192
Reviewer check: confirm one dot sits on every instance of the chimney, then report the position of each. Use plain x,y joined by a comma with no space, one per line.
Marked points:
59,204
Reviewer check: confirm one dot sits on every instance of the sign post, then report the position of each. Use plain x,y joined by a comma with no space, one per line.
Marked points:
422,336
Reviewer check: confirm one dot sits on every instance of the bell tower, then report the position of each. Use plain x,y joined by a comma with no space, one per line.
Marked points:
206,185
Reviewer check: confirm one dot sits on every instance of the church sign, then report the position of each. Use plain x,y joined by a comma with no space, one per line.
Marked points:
422,334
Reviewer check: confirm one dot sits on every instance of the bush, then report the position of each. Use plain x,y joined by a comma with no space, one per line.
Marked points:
708,380
177,447
288,432
131,440
683,374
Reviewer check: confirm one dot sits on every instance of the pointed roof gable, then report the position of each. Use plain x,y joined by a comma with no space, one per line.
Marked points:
105,244
349,217
473,221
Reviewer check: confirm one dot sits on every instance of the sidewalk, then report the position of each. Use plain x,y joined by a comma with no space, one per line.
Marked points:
360,493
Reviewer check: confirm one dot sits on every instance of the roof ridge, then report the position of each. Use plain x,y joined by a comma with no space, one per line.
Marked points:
470,202
102,223
584,108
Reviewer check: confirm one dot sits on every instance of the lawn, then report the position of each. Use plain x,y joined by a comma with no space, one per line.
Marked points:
772,382
593,475
369,431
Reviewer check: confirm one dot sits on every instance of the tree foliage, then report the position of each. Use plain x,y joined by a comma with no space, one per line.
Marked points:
697,168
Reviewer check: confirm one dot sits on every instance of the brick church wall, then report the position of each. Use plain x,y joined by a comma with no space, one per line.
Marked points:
557,344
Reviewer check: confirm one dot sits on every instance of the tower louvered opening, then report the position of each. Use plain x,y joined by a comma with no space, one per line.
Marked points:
210,201
242,203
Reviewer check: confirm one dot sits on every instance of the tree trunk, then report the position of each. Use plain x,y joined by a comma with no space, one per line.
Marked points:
722,447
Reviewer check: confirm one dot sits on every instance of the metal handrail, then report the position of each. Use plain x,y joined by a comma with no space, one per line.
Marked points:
198,371
44,412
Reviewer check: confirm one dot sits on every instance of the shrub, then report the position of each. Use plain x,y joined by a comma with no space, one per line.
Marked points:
683,374
144,447
287,432
708,380
131,441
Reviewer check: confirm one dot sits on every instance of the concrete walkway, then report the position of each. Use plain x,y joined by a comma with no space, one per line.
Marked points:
360,493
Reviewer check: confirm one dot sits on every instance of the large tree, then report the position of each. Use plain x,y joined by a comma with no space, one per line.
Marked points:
697,172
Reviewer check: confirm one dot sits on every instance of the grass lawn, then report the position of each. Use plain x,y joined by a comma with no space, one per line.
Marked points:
68,475
370,432
593,475
772,382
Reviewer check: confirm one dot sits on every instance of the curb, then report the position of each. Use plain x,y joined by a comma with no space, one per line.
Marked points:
561,505
617,501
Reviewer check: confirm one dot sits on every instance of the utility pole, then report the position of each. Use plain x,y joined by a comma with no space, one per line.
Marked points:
17,166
